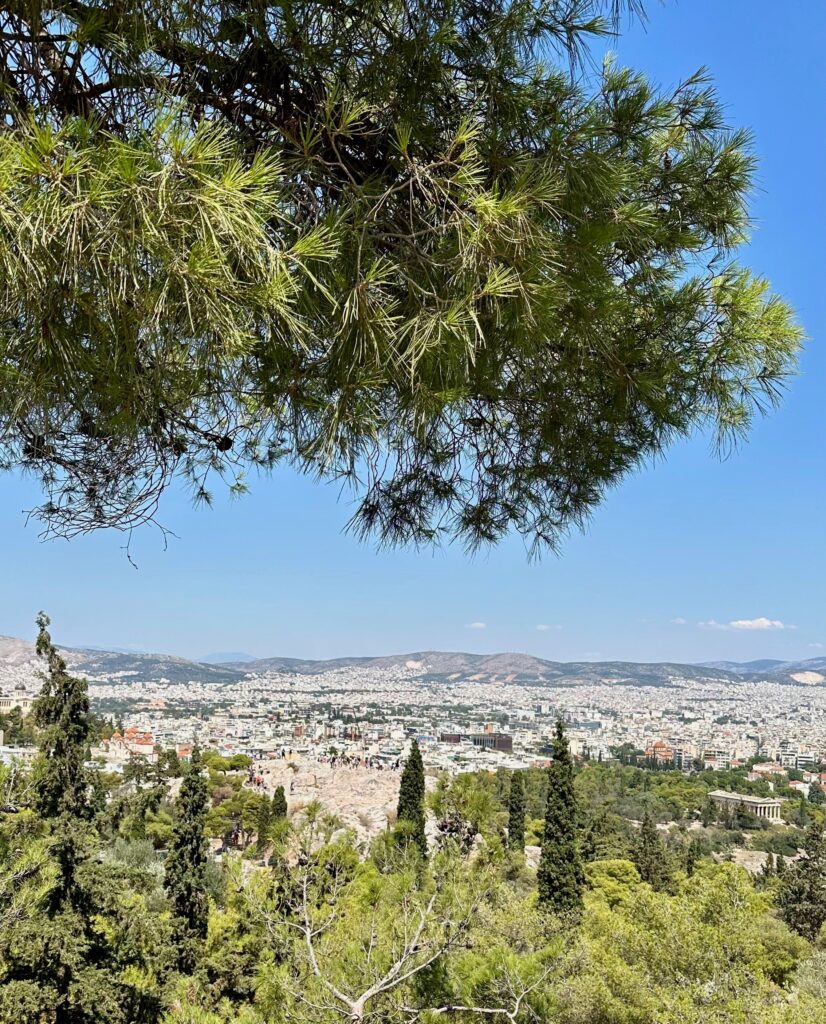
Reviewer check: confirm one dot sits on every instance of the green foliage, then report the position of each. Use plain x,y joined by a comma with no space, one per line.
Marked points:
234,813
516,813
29,871
79,942
615,881
468,801
324,935
605,835
407,249
61,713
560,876
410,813
651,857
169,763
262,825
648,956
279,804
185,866
802,896
18,729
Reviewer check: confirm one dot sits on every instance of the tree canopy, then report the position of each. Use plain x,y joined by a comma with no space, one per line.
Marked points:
409,250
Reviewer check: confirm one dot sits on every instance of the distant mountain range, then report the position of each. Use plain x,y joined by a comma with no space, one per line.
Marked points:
522,668
227,658
526,668
17,655
769,665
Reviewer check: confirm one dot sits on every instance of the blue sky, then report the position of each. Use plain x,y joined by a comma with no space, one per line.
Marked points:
677,563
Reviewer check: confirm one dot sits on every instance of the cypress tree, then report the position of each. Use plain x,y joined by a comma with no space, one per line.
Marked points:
63,785
650,855
262,826
692,855
802,898
411,798
516,813
279,804
186,866
55,960
560,877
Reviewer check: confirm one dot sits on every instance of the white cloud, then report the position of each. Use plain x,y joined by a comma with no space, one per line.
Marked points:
818,646
543,627
476,625
760,623
679,621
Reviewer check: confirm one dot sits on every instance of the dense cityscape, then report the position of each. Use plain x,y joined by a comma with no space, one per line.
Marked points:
460,725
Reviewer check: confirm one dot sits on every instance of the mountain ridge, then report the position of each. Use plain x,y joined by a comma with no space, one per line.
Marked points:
506,666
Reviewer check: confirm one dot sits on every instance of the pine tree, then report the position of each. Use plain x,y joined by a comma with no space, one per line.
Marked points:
411,798
437,371
186,866
279,804
560,876
516,813
802,898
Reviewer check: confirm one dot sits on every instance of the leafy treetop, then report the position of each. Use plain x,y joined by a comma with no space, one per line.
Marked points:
408,250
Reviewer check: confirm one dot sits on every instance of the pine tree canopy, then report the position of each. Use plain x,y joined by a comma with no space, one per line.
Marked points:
408,250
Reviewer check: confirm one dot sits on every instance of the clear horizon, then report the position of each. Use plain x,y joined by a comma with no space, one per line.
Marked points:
690,560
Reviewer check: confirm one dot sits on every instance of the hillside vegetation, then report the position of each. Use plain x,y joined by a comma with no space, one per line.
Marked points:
116,908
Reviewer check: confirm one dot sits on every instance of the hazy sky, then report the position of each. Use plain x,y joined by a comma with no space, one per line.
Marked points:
690,559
